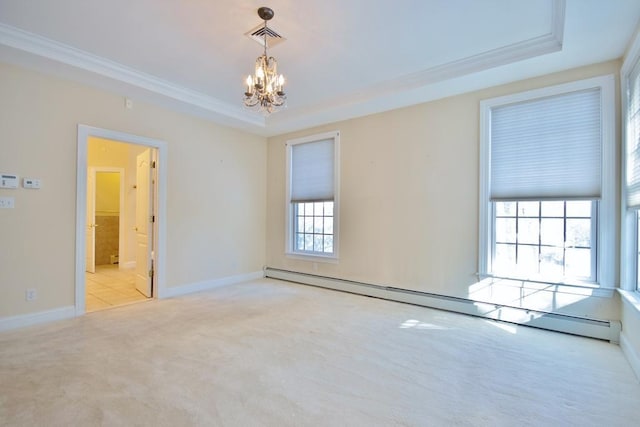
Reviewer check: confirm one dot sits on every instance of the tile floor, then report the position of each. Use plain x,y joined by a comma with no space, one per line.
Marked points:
111,286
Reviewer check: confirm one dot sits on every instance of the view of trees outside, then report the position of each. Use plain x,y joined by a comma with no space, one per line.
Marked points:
543,238
314,227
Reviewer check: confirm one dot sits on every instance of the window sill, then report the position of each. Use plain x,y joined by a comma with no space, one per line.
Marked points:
631,297
330,259
578,288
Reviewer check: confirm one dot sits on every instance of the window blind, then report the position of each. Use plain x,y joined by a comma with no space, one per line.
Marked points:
633,138
548,148
312,171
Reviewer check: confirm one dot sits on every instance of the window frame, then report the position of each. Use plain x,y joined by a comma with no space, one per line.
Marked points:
290,221
629,245
606,220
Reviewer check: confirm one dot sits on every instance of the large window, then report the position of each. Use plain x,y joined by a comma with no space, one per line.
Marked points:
547,184
630,266
312,195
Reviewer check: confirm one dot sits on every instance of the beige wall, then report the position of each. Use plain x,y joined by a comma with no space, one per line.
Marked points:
108,193
631,329
409,198
216,188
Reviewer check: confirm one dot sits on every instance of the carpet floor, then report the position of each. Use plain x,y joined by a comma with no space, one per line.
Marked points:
271,353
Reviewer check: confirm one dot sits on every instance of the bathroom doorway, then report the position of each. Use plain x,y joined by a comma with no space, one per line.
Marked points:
122,246
107,283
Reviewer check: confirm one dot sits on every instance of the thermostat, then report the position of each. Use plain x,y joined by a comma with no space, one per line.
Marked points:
30,183
8,181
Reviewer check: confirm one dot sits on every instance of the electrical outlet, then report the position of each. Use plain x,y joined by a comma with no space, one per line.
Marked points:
30,295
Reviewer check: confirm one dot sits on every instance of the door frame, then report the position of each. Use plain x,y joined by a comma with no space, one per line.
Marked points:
160,225
98,169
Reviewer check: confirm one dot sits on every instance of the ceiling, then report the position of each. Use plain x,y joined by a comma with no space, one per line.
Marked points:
342,59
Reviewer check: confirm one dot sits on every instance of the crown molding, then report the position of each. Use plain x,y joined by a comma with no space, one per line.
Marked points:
405,90
537,46
44,47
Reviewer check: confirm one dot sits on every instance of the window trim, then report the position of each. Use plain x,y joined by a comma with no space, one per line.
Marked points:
289,209
628,219
606,226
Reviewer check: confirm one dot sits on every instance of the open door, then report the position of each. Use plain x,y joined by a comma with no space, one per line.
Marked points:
144,223
90,229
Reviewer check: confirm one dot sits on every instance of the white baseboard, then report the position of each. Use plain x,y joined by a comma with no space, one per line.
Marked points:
129,265
602,329
630,353
14,322
208,284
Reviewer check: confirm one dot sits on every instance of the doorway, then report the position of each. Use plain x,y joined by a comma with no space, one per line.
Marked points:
108,282
120,219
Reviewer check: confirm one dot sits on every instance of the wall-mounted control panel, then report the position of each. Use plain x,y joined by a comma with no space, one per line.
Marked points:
30,183
8,181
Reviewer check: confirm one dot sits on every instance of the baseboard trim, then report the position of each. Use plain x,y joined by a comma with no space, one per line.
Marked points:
128,265
208,284
629,352
601,329
20,321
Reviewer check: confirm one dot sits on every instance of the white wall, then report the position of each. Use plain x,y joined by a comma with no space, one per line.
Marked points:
409,199
215,196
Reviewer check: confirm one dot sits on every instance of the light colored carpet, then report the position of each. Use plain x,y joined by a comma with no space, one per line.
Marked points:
270,353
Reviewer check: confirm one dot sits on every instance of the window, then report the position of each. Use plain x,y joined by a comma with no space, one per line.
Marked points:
312,202
548,185
630,200
546,239
637,247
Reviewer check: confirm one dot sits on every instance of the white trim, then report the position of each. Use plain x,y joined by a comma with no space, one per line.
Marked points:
628,223
545,43
588,327
312,257
606,239
533,47
84,132
20,321
288,226
341,105
51,49
175,291
128,265
631,355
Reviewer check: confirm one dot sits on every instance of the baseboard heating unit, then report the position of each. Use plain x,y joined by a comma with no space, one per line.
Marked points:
608,330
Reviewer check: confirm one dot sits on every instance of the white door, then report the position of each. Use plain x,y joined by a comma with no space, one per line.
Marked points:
144,225
90,229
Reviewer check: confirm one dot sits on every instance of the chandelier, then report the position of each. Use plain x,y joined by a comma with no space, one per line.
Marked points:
265,88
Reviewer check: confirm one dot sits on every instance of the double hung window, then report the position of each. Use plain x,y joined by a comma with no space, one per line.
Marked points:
631,184
547,183
312,195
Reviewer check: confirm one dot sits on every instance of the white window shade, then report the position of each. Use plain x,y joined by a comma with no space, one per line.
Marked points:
312,171
633,139
548,148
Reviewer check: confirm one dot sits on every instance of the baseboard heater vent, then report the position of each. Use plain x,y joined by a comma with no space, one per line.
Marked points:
608,330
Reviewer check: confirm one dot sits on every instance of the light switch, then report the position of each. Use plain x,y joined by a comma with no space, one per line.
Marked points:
7,203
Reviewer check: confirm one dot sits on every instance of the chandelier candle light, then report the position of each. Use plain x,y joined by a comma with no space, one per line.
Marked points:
266,87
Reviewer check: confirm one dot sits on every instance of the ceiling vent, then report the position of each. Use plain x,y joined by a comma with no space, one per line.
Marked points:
258,33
